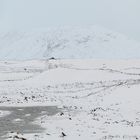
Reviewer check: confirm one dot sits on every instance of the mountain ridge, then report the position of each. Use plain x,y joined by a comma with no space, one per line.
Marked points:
67,43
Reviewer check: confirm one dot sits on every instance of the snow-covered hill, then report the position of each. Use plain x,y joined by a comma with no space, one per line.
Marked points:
70,42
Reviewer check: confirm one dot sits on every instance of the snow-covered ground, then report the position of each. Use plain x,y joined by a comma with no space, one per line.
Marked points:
98,99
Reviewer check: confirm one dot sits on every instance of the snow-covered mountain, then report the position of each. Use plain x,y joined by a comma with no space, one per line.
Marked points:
69,42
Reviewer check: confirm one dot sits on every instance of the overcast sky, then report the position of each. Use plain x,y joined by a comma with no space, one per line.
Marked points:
118,15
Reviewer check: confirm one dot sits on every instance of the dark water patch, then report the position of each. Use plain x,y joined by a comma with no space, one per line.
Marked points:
21,119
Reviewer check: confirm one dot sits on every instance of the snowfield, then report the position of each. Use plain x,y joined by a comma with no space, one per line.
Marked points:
96,99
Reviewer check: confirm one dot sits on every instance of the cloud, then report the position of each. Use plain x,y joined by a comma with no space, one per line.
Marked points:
119,15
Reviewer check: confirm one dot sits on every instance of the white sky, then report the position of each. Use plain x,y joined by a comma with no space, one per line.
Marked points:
119,15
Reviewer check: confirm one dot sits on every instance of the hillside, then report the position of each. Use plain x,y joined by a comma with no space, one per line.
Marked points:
70,42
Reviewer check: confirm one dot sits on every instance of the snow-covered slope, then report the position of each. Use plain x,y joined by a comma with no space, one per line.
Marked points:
70,42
